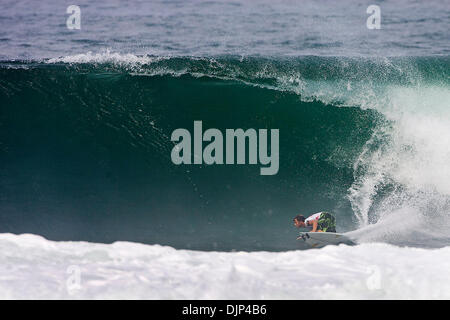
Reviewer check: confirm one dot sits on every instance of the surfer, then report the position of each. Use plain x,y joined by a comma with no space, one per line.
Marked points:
320,222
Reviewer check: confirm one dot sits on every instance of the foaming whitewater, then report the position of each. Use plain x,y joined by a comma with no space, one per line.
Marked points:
35,268
403,173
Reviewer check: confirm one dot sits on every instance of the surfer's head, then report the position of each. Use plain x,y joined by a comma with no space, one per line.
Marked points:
299,221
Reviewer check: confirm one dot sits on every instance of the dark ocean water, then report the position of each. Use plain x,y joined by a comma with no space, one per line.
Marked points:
86,118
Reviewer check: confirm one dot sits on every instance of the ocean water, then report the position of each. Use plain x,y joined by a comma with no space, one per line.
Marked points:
87,181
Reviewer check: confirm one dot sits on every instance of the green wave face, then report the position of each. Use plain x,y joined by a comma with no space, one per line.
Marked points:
85,147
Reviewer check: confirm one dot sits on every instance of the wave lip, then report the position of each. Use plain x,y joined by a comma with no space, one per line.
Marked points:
106,56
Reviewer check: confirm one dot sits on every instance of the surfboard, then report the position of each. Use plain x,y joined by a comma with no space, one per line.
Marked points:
322,239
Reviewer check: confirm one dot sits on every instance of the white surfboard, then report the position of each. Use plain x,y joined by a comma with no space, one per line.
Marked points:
322,239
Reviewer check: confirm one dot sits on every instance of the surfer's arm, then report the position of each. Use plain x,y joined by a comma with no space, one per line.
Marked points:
314,225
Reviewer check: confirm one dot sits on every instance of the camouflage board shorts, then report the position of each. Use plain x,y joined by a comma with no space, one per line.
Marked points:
326,222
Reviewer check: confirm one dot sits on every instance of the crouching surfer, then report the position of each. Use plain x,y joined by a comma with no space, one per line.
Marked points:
320,222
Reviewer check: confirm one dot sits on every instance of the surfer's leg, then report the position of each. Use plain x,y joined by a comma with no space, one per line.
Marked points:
326,222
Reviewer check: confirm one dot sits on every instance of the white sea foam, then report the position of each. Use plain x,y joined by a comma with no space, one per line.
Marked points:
403,173
106,56
34,268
